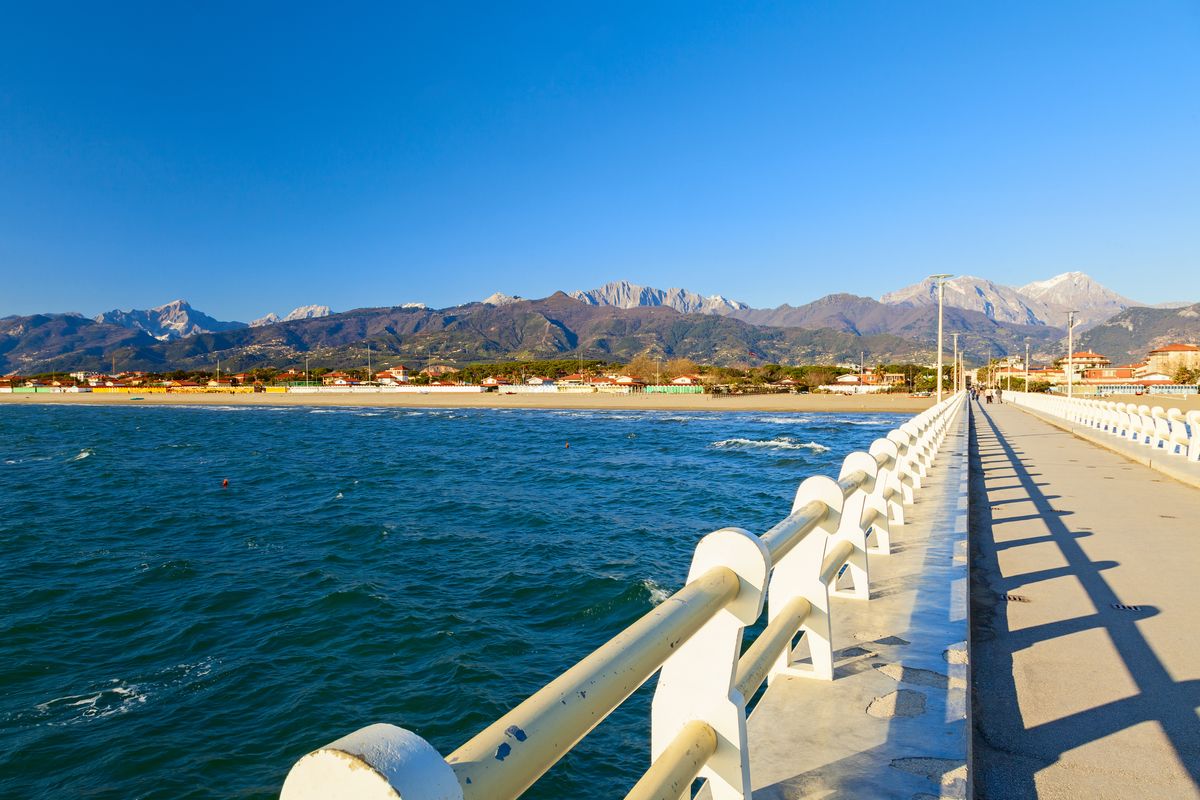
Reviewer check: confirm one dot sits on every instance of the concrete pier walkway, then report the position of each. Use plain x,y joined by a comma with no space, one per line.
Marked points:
1085,604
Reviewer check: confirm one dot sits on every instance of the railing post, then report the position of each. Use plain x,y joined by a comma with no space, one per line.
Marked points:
798,574
696,682
378,762
851,528
1193,421
886,499
916,453
906,471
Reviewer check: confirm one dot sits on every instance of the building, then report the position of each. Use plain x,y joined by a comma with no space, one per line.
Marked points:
1110,374
1081,362
1168,359
437,370
337,379
538,380
393,376
686,380
492,381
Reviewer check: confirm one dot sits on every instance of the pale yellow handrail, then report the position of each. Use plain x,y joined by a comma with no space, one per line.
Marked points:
756,662
504,759
673,771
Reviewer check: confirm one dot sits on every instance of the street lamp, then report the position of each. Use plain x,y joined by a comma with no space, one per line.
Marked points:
941,284
1027,365
955,371
1070,351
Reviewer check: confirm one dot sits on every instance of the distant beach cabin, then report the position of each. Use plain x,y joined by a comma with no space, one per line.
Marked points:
537,380
686,380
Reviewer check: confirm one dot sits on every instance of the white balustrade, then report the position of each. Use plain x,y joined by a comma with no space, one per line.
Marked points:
693,640
1170,430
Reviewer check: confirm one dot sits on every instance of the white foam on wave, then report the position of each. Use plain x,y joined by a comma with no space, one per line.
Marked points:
870,423
657,592
793,420
84,453
780,443
118,696
97,704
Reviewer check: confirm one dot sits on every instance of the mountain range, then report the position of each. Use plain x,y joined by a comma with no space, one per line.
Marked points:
617,320
1039,303
178,319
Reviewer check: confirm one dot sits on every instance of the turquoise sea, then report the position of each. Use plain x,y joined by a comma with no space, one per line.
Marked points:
164,637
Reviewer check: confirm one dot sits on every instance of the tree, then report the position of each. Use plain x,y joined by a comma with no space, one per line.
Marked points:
818,377
642,367
1182,375
680,366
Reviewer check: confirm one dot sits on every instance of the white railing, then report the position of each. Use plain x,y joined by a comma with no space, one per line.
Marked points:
1171,430
692,639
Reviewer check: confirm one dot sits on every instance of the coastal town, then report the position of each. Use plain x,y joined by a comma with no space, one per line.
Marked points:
1171,369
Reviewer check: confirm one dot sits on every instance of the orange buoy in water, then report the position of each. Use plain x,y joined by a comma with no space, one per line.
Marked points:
568,444
225,483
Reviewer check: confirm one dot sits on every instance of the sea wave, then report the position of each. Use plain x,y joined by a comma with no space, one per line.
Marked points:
780,443
84,453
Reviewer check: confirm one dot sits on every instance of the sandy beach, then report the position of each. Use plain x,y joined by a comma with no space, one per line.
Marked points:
866,403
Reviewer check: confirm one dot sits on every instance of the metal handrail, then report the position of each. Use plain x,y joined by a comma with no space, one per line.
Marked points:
673,772
505,758
853,482
795,526
756,662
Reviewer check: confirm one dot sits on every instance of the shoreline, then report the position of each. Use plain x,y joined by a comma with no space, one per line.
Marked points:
784,403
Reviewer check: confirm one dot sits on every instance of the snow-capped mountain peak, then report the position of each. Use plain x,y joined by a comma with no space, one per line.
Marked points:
501,299
172,320
302,312
624,294
1043,302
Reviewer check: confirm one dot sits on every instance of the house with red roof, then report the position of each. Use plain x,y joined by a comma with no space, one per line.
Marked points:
393,376
1168,359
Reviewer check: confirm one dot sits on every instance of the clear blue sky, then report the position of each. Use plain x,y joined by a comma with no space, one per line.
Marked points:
251,157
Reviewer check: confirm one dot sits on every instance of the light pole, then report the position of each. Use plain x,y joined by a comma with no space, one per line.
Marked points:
955,371
941,284
1070,352
1027,365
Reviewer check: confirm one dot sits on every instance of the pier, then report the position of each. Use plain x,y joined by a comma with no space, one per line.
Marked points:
992,601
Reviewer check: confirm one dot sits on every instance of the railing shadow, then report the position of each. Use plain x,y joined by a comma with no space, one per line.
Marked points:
1159,699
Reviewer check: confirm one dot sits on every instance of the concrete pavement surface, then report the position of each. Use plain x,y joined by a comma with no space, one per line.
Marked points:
1085,616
